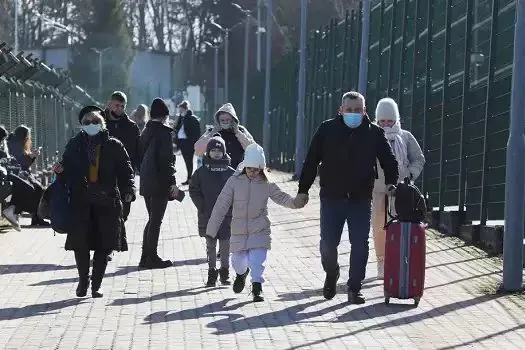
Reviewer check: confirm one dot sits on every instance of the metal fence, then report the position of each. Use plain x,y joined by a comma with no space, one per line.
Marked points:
448,63
41,97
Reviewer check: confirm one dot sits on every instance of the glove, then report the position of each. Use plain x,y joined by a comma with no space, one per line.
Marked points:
128,198
300,200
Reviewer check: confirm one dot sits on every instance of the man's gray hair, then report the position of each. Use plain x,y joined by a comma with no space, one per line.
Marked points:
352,95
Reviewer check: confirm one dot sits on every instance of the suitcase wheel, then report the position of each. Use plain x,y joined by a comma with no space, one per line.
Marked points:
387,300
416,301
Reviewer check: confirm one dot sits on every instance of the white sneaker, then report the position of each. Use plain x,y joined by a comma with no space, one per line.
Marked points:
9,214
380,270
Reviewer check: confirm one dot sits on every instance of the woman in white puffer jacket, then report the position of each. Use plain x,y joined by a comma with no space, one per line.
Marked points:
410,160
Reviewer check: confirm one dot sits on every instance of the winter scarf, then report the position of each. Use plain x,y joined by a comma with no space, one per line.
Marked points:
91,146
399,146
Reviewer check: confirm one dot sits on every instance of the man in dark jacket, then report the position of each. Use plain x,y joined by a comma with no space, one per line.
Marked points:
187,132
125,130
347,147
157,180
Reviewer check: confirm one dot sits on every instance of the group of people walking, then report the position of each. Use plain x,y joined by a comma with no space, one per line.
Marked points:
358,161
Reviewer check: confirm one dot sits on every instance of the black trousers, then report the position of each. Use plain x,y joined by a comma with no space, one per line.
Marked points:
126,208
156,208
25,194
100,262
187,149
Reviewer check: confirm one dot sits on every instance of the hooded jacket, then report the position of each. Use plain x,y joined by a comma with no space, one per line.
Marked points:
126,131
157,160
250,225
236,143
205,186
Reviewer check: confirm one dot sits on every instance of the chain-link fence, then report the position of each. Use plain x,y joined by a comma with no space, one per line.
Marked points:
41,97
448,63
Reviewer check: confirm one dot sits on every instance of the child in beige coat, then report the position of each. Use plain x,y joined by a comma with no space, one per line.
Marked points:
248,191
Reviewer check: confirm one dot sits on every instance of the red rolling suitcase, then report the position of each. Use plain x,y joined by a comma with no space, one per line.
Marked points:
405,250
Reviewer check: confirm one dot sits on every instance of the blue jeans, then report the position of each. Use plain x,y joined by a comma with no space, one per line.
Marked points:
357,214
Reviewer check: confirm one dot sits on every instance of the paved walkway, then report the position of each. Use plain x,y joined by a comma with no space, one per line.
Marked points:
169,309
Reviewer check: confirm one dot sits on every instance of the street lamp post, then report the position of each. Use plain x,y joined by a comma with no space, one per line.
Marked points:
266,117
16,27
515,170
299,136
226,32
215,73
245,73
100,75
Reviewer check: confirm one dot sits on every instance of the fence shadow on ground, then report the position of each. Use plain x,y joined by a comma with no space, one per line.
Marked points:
30,268
14,313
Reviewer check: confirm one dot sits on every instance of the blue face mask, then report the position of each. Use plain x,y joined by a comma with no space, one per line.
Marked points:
92,129
352,120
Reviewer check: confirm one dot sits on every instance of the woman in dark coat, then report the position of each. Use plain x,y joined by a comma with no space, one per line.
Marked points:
20,147
157,180
98,172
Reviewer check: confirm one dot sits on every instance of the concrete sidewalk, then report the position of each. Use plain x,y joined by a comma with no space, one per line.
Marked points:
170,309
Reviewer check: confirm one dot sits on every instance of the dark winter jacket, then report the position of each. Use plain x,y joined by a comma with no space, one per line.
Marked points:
348,160
157,169
192,127
205,186
16,149
97,225
126,131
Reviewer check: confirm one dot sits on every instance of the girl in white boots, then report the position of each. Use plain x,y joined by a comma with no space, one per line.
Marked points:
248,191
410,160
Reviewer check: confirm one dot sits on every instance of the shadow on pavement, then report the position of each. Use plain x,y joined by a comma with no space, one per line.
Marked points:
14,313
166,295
121,271
189,262
26,268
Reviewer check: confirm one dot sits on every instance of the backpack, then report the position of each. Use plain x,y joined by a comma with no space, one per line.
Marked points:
410,203
59,206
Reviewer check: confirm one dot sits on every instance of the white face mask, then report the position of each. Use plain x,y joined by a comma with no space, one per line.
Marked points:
226,125
92,129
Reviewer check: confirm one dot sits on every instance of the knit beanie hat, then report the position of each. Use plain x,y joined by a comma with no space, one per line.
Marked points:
254,157
216,142
89,109
387,110
159,109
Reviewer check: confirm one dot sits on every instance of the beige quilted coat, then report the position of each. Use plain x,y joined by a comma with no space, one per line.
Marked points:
250,226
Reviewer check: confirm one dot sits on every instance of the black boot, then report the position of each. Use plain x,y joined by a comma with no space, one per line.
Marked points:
240,282
83,285
155,262
37,222
82,261
257,292
212,278
100,262
356,298
143,261
224,274
330,284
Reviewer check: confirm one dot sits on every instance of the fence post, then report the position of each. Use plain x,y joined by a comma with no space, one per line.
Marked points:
428,83
380,50
465,103
415,56
391,59
365,35
301,91
488,111
404,27
444,100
